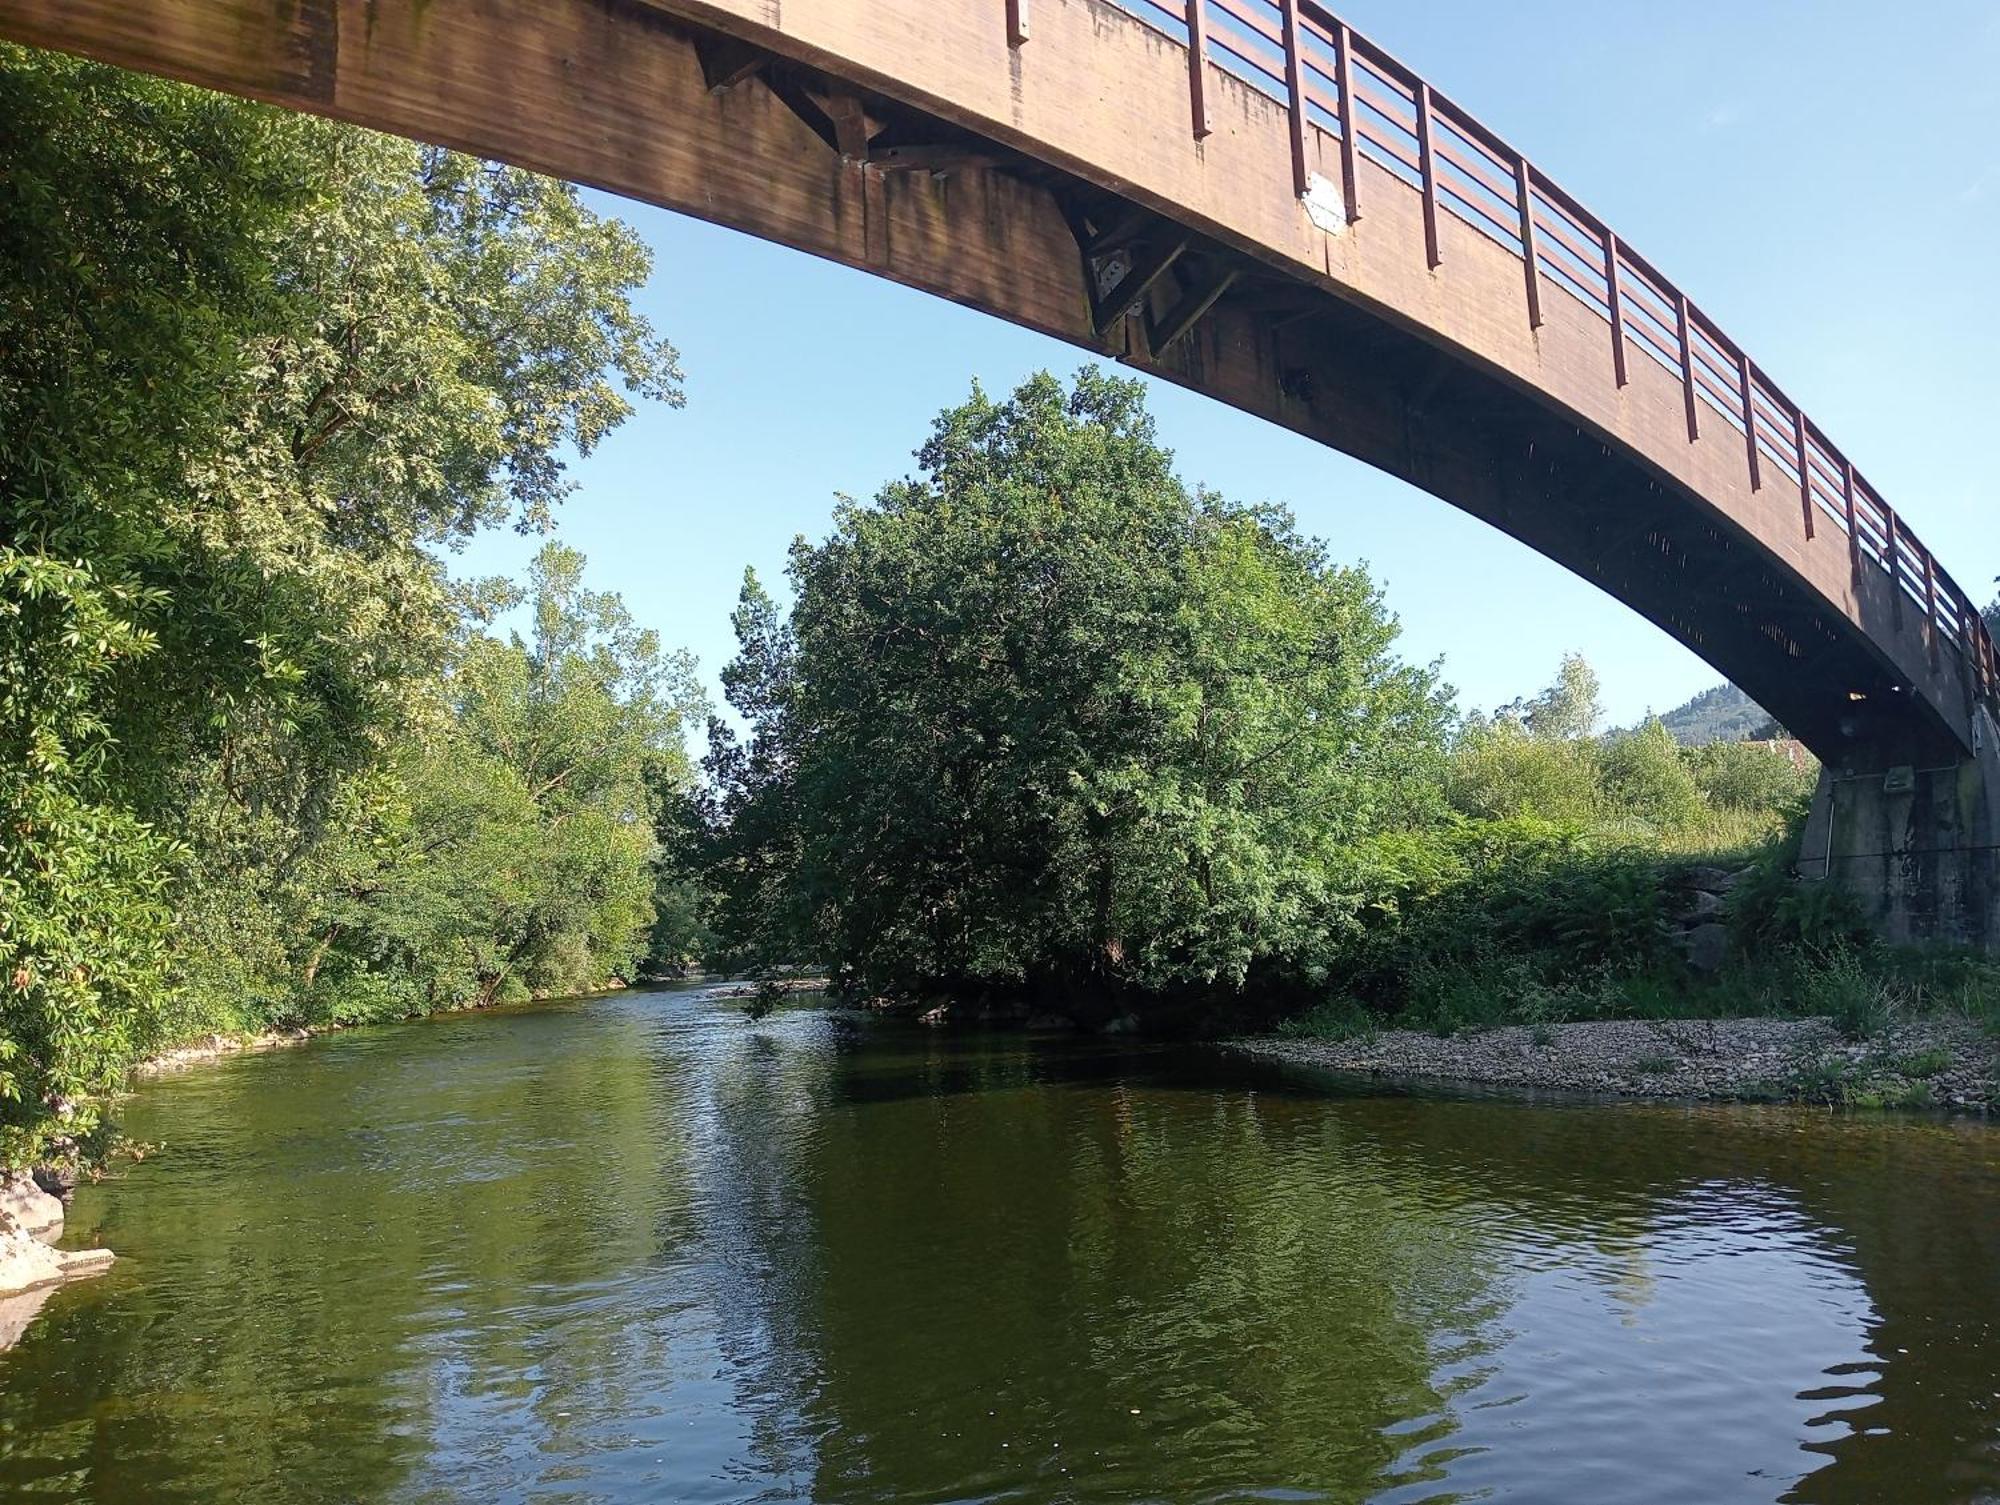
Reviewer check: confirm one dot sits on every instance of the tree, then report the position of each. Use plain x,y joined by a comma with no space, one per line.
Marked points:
1499,771
1992,616
256,370
750,851
1647,778
516,853
1535,757
1569,709
1043,716
1750,776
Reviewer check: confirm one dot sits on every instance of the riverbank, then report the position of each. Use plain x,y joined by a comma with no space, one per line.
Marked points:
210,1048
1939,1061
31,1222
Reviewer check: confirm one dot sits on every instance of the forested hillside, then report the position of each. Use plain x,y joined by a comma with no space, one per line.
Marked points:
1723,714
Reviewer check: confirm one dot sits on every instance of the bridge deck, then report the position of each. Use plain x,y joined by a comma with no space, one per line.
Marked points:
1409,290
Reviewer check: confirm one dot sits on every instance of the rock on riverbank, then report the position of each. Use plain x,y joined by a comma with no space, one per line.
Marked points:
1935,1061
214,1048
30,1222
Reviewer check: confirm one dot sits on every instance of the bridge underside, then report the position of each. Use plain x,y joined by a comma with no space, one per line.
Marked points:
723,110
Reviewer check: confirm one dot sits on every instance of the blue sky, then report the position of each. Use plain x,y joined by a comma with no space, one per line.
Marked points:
1821,177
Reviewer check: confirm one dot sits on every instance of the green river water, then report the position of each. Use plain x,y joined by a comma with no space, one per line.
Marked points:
643,1249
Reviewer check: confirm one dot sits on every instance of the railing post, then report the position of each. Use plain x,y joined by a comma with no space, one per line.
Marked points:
1616,298
1197,25
1427,163
1350,120
1524,189
1930,605
1687,365
1853,527
1295,89
1805,468
1895,563
1749,387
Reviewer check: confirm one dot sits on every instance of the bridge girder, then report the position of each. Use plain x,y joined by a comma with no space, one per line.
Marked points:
916,140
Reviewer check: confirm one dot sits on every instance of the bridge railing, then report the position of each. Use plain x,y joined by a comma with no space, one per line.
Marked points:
1329,77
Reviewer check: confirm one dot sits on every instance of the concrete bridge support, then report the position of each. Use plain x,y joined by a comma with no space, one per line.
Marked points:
1917,843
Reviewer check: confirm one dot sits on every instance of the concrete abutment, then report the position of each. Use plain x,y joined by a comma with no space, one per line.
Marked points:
1917,843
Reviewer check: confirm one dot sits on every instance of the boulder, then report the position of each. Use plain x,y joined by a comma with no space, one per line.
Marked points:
56,1180
26,1262
1707,947
1712,880
1700,904
34,1209
16,1312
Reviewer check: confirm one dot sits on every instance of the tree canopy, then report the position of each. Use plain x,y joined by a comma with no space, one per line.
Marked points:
259,374
1042,713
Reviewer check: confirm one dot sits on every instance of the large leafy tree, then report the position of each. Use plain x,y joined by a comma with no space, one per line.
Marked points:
256,370
515,852
1044,716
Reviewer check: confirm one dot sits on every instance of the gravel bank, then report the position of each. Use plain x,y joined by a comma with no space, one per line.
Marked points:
1938,1061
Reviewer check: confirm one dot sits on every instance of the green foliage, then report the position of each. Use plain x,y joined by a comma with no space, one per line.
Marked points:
1042,716
512,851
84,924
1859,1002
1330,1019
1500,772
1750,776
1920,1065
1569,710
1770,911
256,369
1721,715
1647,777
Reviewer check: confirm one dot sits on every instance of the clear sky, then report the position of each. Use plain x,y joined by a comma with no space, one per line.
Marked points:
1820,175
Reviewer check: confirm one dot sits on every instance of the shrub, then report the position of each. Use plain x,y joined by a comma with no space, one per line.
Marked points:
1330,1019
1646,778
1757,776
1500,772
1859,1001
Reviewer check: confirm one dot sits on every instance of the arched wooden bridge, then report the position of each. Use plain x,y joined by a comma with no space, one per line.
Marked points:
1246,197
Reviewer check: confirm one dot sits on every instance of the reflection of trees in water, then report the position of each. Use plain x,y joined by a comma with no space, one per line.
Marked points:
1308,1293
1035,1287
482,1254
357,1270
1903,1205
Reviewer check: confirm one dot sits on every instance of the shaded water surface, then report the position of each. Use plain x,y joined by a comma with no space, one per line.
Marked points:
642,1249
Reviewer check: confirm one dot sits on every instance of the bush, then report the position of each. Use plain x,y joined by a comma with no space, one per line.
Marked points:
1499,772
1646,778
1750,776
1860,1001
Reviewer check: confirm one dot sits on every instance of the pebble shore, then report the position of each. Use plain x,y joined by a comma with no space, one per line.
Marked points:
1938,1061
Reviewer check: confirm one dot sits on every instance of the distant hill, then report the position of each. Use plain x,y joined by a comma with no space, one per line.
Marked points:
1723,714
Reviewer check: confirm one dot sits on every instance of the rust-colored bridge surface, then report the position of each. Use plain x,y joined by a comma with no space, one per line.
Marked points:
1243,196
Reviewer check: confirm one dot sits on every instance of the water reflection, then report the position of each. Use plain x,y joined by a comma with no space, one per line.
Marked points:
643,1249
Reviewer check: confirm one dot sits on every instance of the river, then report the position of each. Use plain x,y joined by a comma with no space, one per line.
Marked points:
641,1248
